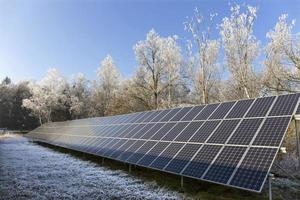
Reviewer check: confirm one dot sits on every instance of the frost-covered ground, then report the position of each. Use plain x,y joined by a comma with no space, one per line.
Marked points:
30,171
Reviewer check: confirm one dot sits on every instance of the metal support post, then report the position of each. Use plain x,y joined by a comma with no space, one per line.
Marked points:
298,142
102,161
181,181
271,176
129,168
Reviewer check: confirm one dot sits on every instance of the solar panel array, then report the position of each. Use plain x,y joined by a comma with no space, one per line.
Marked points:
232,143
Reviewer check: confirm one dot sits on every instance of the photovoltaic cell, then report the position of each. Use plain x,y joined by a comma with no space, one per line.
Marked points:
193,113
167,155
254,168
122,149
206,112
163,131
160,115
153,153
272,131
225,164
245,132
182,158
152,131
204,132
181,114
137,155
222,110
260,107
136,145
140,133
170,114
175,131
201,161
285,105
223,131
189,131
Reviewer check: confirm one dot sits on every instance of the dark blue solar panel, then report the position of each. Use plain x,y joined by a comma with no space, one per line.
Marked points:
189,131
125,155
192,113
201,161
285,105
253,170
161,114
152,131
137,155
181,114
222,110
205,131
260,107
167,155
272,131
163,131
245,132
153,153
222,169
174,132
122,148
170,115
182,158
206,112
223,132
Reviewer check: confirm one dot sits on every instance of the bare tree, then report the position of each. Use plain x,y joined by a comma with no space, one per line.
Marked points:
104,91
282,65
241,49
47,95
203,64
159,62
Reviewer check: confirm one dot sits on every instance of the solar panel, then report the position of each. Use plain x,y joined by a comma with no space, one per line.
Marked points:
245,131
193,113
206,112
166,156
240,108
153,153
232,143
272,131
203,133
260,107
223,131
189,131
201,161
222,110
225,164
254,168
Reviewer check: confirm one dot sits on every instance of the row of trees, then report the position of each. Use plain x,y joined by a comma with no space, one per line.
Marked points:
202,70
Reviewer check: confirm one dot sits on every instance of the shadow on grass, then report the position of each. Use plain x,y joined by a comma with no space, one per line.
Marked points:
192,188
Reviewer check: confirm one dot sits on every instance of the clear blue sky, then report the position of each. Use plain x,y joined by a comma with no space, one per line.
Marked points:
74,36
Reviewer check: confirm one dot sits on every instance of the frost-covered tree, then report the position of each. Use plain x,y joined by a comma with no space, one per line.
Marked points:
159,61
241,50
47,96
79,96
203,68
104,90
282,66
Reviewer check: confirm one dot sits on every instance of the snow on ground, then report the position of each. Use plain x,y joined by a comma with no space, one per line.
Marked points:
30,171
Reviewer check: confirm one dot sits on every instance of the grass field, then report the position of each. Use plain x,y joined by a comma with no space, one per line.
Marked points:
39,171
